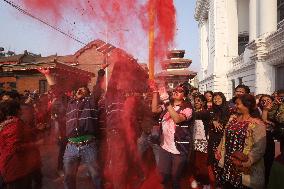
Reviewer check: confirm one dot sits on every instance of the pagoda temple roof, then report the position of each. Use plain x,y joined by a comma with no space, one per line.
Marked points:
175,54
176,63
177,73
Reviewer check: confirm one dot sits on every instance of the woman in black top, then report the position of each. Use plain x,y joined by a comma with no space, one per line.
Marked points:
200,137
219,116
265,106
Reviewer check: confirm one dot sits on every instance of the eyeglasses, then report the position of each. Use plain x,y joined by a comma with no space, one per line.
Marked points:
178,90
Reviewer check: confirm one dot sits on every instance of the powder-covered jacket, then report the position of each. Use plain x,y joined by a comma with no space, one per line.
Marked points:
19,156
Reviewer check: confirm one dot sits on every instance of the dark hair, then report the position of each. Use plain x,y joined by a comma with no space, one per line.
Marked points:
202,98
192,89
262,96
246,88
86,87
259,95
185,89
10,108
250,103
221,111
224,101
208,92
187,85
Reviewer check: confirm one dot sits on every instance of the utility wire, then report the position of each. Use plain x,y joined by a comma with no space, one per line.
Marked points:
42,21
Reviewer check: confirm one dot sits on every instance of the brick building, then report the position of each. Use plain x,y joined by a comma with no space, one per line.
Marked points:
19,71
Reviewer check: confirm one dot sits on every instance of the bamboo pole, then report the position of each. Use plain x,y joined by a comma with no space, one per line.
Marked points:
151,14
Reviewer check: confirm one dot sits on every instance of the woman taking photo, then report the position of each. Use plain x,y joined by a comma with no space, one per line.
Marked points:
241,150
176,122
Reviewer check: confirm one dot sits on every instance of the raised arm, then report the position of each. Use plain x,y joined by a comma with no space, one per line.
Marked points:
98,88
183,115
48,76
155,99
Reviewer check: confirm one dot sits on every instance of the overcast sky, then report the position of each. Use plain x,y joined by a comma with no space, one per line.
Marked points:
19,32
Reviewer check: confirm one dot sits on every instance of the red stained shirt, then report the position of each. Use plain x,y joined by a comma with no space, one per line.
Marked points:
19,156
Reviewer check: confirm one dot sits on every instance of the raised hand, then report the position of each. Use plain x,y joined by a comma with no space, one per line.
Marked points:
45,71
153,86
164,96
104,66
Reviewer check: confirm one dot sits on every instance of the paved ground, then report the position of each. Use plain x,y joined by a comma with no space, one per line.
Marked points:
51,180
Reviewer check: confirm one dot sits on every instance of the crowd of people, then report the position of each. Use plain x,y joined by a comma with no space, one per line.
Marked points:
205,138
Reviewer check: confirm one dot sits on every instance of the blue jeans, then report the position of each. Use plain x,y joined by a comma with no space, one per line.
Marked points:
87,154
171,167
144,142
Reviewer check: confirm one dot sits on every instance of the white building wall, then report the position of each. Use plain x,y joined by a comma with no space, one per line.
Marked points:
203,30
211,24
265,51
266,16
243,16
247,75
252,20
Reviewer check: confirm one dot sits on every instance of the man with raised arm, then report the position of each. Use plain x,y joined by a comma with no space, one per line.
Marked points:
81,130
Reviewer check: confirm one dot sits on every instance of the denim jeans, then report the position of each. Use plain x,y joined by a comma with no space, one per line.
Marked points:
171,167
87,154
144,142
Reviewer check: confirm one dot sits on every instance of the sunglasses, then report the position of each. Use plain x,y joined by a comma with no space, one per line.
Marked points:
179,90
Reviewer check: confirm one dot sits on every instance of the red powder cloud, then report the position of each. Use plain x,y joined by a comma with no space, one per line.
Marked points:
122,21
